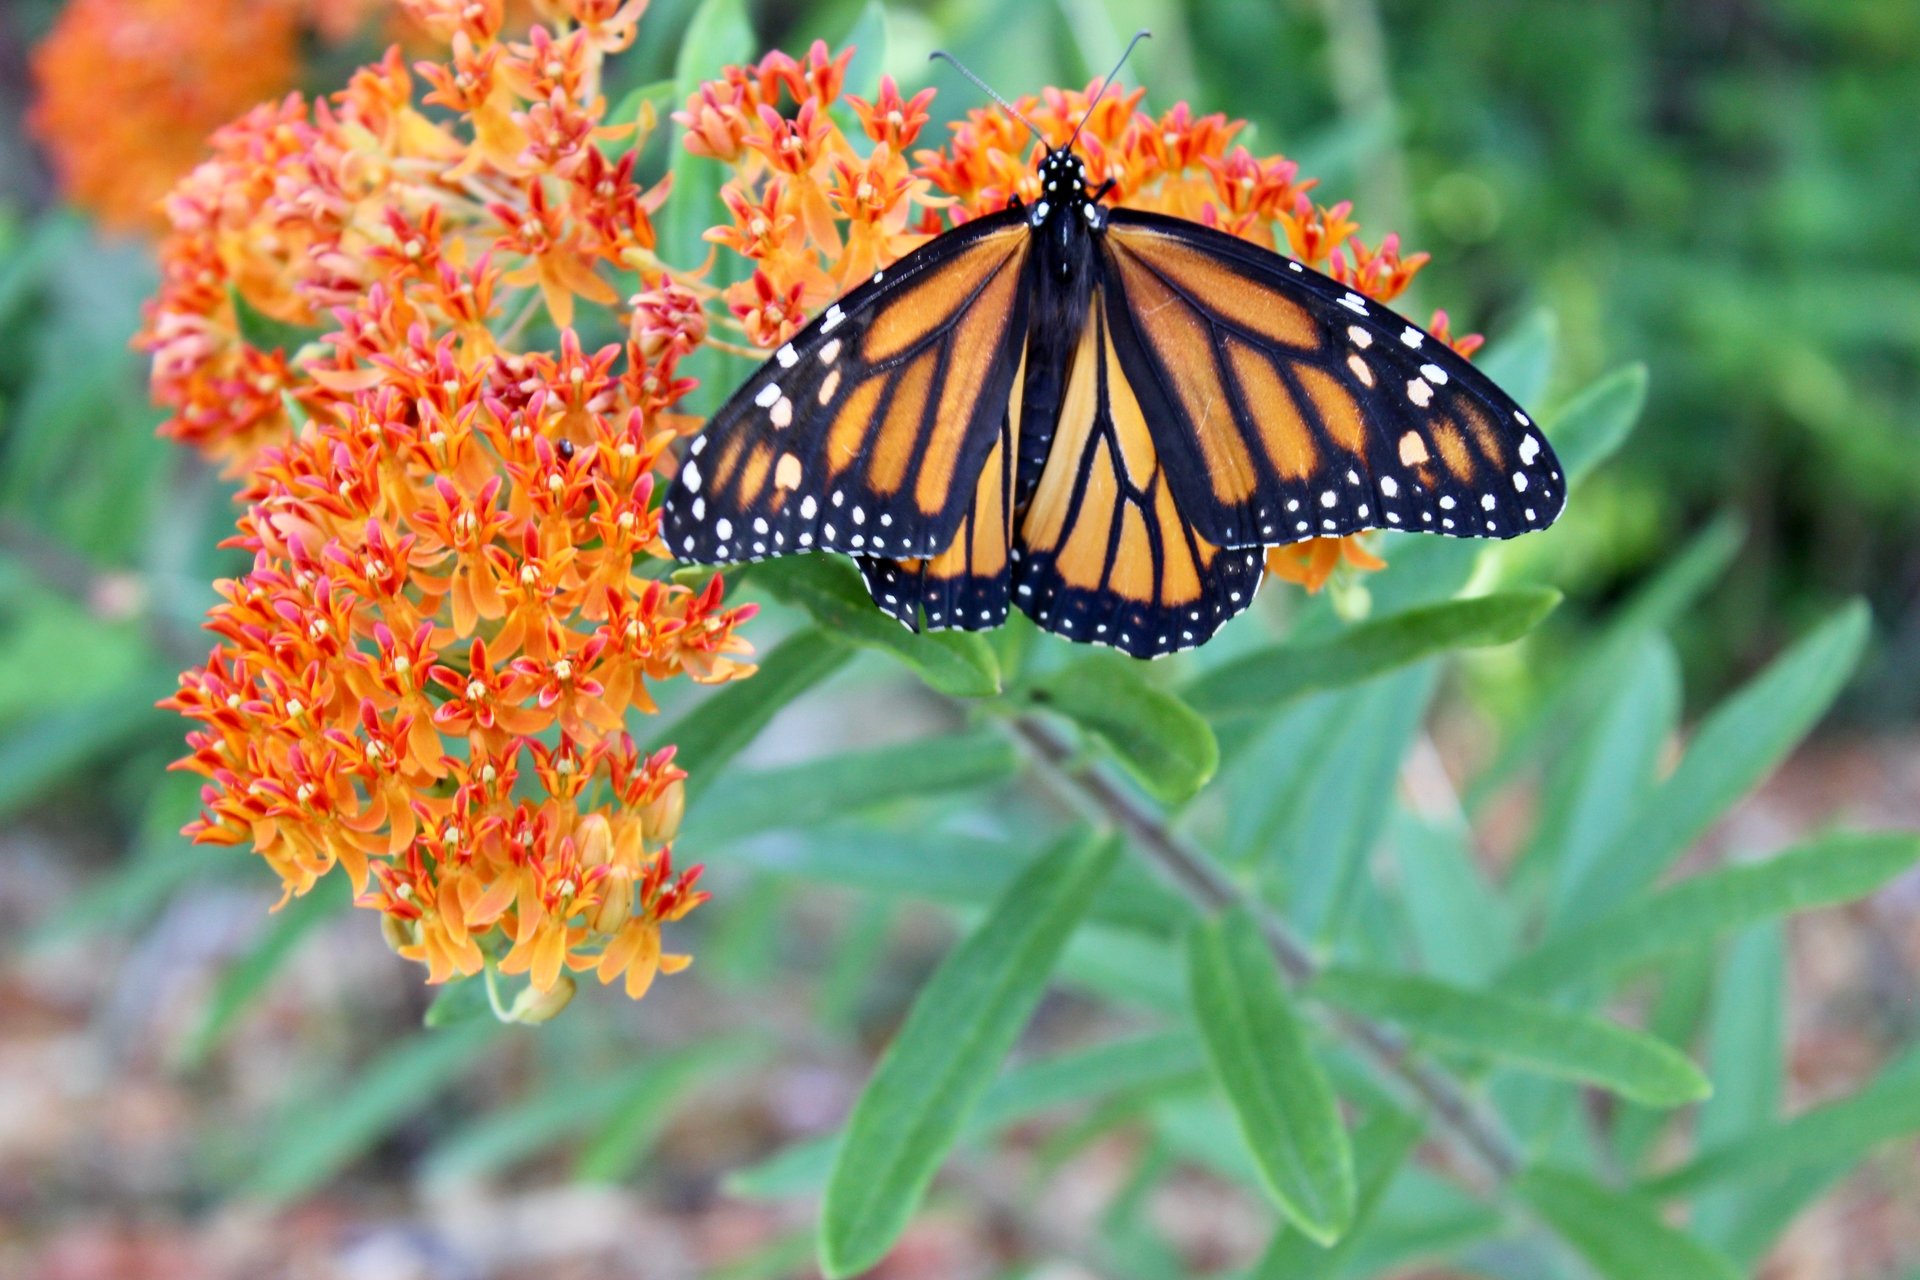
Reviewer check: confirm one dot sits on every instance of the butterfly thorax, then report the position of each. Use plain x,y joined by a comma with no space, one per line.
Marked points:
1064,220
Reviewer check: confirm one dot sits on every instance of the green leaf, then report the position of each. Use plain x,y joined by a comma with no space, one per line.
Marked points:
718,35
246,978
804,795
325,1134
264,333
1135,1064
38,753
1837,1133
1654,607
723,723
1156,737
1737,746
951,869
1380,1147
629,1127
1746,1055
962,1024
459,1001
1271,677
1334,817
1521,360
1828,870
960,663
1461,927
1265,1068
660,94
1621,1236
869,38
1538,1037
1606,775
1589,427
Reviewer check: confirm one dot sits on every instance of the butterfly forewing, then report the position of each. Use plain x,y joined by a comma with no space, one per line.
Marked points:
1286,406
867,432
1105,552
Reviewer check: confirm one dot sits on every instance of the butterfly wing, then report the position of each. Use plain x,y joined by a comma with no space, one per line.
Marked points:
867,432
968,585
1286,406
1105,552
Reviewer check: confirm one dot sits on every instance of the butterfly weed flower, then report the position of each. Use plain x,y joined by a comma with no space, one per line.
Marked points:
456,602
770,124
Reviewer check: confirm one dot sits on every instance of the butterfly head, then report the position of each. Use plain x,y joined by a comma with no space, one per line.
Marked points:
1065,198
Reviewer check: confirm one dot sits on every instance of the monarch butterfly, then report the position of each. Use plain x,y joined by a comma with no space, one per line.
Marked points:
1104,416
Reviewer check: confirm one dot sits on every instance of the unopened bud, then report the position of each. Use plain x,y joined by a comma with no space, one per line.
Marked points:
594,836
533,1007
615,907
661,817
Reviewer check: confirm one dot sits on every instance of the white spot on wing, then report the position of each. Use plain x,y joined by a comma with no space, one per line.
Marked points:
787,356
690,477
768,394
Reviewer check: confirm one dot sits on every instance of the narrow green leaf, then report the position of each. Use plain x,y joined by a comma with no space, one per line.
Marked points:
655,1087
1380,1147
1591,426
961,1025
1653,607
1604,778
381,1095
1135,1064
264,333
1270,677
1266,1070
960,663
658,94
1159,740
1737,746
718,35
803,795
1828,870
246,978
1837,1133
1746,1055
1462,928
1538,1037
1520,360
458,1001
723,723
951,869
38,753
1318,862
869,38
1621,1236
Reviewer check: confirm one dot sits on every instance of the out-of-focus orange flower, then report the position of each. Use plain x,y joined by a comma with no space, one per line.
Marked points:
126,91
456,598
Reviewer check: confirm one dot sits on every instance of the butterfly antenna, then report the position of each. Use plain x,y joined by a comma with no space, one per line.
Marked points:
943,56
1106,84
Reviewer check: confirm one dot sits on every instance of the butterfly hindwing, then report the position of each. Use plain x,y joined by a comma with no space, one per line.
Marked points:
1286,406
866,432
1105,553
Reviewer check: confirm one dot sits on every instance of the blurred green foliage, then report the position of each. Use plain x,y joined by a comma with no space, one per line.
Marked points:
1722,191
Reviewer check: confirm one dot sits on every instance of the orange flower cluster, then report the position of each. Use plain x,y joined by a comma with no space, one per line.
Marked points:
815,212
457,593
126,91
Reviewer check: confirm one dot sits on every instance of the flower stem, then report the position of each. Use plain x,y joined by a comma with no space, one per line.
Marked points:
1472,1128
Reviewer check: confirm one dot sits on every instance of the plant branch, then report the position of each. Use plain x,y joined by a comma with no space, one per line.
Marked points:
1470,1125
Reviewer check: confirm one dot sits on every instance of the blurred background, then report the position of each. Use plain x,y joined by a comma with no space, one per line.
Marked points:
1724,189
